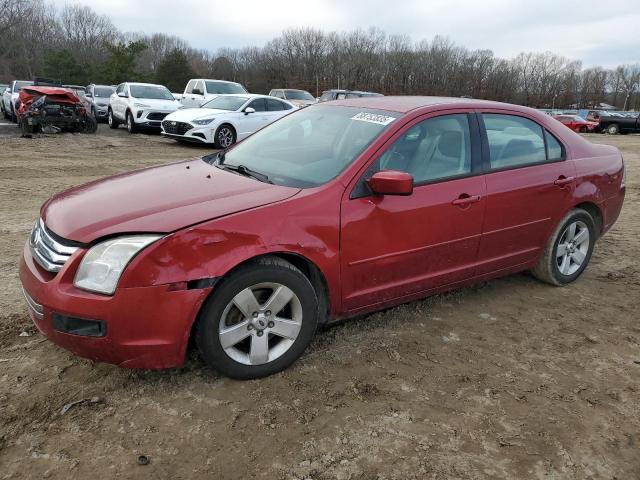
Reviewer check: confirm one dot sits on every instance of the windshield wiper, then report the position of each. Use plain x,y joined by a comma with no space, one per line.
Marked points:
246,171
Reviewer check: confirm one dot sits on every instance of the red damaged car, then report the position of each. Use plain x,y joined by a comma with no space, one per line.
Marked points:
335,210
577,123
53,110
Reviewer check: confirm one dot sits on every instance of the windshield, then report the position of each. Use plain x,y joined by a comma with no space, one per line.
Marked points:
311,146
226,103
223,88
153,93
19,85
297,95
103,91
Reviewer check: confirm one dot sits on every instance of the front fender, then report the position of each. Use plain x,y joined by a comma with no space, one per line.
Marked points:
305,225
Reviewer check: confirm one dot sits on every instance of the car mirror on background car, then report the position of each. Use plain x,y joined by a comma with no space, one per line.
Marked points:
197,91
123,95
391,182
88,95
249,110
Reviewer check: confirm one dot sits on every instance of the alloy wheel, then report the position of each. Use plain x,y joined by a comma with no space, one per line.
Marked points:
260,323
225,137
572,248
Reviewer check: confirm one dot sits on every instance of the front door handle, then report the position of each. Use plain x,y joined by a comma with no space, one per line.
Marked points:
466,199
562,180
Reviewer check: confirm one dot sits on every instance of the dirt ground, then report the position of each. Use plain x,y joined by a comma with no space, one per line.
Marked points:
509,379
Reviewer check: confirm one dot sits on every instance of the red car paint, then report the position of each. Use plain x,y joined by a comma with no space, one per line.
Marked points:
58,95
576,123
372,252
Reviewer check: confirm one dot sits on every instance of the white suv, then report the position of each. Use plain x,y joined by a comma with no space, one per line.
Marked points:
200,90
10,96
140,105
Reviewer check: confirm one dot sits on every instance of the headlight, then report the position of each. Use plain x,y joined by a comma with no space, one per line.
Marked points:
103,264
204,121
141,105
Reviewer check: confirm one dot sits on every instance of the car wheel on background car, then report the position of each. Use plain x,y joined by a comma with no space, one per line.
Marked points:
568,250
225,136
258,320
583,129
613,129
131,125
113,123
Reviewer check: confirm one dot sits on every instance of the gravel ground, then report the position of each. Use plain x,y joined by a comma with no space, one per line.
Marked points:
507,379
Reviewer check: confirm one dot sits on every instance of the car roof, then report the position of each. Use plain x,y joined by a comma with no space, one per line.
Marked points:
212,80
145,84
247,95
405,104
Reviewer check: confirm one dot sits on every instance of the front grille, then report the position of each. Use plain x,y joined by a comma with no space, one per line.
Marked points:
156,116
176,128
36,309
50,253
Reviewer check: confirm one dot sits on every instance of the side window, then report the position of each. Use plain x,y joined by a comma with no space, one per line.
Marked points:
190,86
258,105
341,96
274,105
278,93
120,88
199,86
436,148
325,96
514,141
554,147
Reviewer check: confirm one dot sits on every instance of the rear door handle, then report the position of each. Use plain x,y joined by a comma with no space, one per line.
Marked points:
561,181
466,199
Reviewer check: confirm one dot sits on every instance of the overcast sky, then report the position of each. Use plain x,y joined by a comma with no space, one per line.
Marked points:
598,32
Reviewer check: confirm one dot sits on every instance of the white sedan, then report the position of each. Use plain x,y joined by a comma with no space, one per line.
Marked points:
225,120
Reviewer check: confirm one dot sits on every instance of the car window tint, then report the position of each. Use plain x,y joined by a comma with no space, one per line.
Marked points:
326,96
258,105
554,147
199,86
435,148
274,105
190,86
513,141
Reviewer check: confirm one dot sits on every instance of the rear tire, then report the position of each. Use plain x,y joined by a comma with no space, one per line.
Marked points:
568,250
257,341
613,129
111,120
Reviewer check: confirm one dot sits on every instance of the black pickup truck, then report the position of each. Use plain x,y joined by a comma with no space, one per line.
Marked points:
619,122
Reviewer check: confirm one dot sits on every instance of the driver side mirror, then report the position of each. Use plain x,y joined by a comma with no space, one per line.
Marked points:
123,95
249,110
391,182
88,95
197,91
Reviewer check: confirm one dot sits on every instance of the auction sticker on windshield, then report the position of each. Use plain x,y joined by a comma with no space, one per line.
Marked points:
373,118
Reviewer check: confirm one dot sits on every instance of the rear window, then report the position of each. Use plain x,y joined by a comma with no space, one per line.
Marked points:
224,88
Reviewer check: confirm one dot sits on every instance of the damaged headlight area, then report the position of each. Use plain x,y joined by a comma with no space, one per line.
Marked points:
104,263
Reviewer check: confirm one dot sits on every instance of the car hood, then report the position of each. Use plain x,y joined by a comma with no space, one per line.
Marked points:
169,105
159,199
191,114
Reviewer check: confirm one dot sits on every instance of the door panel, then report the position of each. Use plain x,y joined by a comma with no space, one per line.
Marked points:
393,246
523,206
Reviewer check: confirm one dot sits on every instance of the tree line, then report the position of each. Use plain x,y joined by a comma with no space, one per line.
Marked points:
77,46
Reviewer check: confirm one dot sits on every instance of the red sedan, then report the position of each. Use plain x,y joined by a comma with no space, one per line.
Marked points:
336,210
577,123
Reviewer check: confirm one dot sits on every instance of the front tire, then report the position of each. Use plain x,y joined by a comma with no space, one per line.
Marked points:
225,136
131,124
613,129
568,250
111,120
257,321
